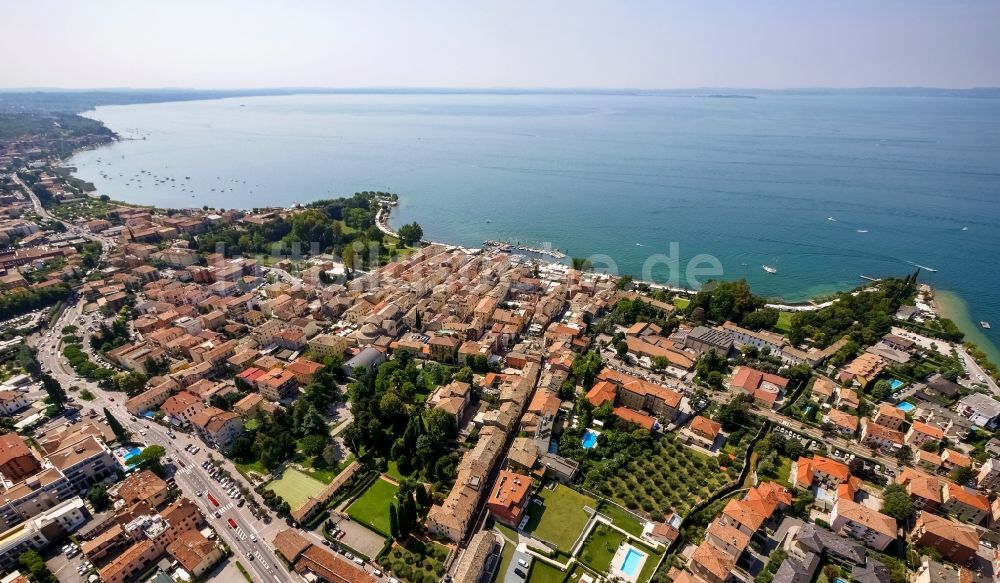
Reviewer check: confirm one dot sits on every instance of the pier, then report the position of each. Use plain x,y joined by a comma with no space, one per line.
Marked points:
509,246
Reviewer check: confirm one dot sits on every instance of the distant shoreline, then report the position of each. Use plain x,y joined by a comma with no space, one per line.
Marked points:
51,100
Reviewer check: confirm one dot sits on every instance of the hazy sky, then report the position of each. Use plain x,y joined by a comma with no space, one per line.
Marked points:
505,43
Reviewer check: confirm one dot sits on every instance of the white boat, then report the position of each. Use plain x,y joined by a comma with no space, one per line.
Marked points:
862,230
831,219
770,268
985,324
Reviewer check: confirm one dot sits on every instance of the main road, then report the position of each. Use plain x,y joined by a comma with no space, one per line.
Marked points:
191,478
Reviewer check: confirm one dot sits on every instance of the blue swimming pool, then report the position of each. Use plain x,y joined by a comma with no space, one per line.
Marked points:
894,384
906,407
589,440
131,453
630,565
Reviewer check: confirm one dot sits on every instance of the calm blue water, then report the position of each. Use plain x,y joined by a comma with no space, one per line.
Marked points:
630,565
589,440
906,407
747,181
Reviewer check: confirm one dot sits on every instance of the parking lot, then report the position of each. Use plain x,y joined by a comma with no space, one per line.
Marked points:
66,567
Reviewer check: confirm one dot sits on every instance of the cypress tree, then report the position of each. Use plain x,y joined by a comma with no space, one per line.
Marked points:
411,512
403,520
393,522
116,427
423,498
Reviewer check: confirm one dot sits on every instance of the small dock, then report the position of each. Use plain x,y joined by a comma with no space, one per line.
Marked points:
509,246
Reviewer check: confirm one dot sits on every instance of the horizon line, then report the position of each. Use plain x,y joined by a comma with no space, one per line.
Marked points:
536,89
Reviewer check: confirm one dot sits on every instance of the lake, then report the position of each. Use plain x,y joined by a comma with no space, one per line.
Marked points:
824,188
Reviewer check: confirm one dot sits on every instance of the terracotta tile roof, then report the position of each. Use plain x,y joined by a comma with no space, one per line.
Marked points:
11,447
842,419
956,532
863,515
143,485
965,496
331,567
728,534
601,392
638,417
744,513
705,426
636,385
807,468
290,543
190,548
931,431
713,560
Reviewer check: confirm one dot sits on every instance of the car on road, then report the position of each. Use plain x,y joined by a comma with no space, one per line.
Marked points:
249,556
520,573
376,572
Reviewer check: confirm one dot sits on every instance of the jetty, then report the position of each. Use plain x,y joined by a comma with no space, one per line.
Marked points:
511,246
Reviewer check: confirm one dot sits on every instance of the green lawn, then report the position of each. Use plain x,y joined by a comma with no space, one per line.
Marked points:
561,517
506,556
544,573
600,548
681,303
316,468
394,473
649,567
622,519
254,466
784,322
295,487
372,507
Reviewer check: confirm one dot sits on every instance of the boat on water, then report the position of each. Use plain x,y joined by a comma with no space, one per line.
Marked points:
862,230
831,219
924,267
965,228
770,268
985,324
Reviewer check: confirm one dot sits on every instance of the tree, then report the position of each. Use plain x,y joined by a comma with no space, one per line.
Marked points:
423,497
881,390
57,396
896,502
149,458
34,565
410,234
98,497
581,263
120,432
312,445
961,475
130,382
905,455
761,319
393,522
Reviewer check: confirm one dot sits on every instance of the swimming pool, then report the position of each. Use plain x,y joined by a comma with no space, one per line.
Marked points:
894,384
130,453
906,407
589,440
630,565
